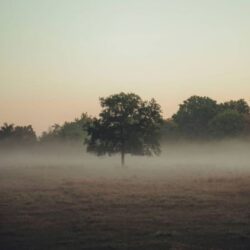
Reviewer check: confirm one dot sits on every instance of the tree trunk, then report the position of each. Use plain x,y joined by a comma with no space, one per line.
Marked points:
122,158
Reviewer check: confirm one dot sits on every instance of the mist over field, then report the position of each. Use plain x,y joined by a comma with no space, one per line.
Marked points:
176,158
193,196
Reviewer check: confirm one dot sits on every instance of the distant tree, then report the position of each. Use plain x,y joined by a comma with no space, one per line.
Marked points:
227,124
17,134
240,106
126,125
246,124
75,131
25,134
51,135
6,131
194,115
170,130
70,131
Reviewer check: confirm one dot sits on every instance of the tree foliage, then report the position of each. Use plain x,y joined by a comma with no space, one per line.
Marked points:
240,106
227,124
126,125
194,115
129,125
202,117
11,134
69,132
170,130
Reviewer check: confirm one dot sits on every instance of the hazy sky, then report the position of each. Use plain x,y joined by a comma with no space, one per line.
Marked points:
58,57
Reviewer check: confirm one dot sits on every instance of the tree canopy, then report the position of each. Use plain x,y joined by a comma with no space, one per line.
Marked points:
68,132
194,115
227,124
129,125
202,117
126,125
11,134
240,106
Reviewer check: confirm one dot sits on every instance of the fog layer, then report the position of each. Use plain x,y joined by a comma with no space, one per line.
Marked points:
176,160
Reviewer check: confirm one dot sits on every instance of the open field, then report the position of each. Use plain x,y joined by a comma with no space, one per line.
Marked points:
192,197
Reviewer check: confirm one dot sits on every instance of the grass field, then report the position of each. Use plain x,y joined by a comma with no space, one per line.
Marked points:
57,201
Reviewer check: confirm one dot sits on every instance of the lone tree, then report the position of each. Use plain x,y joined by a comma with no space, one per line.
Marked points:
126,125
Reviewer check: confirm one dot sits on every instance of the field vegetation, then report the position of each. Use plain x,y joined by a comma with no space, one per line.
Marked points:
194,196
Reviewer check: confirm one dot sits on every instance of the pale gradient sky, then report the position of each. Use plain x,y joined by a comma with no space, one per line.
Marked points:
57,57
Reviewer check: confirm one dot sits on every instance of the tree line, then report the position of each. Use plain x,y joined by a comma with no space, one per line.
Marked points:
203,118
126,117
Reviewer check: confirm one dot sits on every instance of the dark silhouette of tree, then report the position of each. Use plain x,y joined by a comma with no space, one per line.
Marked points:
6,131
74,131
17,134
25,134
194,115
126,125
240,106
51,135
70,131
170,130
227,124
246,124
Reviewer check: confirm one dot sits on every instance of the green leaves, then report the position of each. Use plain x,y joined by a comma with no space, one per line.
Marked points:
201,117
227,123
126,124
17,134
194,115
74,131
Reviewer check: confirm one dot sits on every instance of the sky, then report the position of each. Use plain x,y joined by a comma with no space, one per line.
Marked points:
57,57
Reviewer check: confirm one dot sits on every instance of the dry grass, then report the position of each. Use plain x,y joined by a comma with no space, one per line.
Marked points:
70,208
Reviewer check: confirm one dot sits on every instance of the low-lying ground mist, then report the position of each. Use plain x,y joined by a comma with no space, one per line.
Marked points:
176,159
192,196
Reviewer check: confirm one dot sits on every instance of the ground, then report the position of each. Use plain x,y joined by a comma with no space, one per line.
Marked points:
76,207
